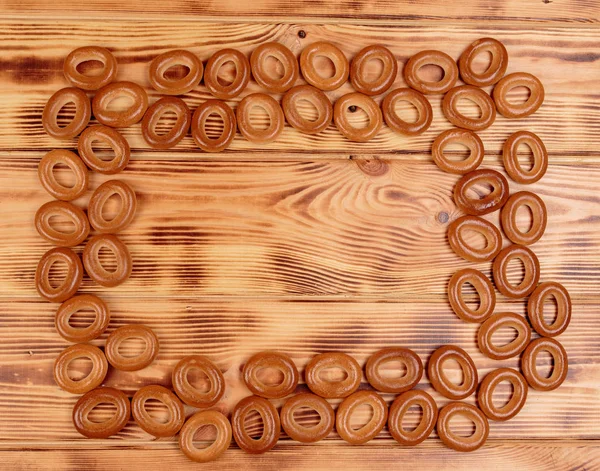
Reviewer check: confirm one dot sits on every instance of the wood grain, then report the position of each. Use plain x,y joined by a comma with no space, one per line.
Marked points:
503,456
478,11
229,332
565,59
336,228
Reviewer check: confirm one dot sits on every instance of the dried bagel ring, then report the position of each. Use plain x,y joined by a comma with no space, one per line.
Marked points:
270,360
539,218
418,100
459,442
149,423
123,118
365,103
332,389
140,360
83,113
485,292
307,434
400,408
358,70
466,250
71,281
486,393
491,327
438,378
511,160
89,401
212,144
535,309
65,210
530,278
312,75
270,420
495,70
560,361
190,394
239,82
125,214
431,57
195,423
167,104
52,185
92,380
109,136
458,136
348,408
409,359
165,61
521,110
83,302
475,95
90,53
314,96
284,56
491,202
93,265
274,111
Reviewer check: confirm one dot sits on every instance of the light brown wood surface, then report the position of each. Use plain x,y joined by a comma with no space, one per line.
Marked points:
306,245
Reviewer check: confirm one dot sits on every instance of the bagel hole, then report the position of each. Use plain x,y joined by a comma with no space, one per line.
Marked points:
525,156
502,394
479,191
62,224
461,426
406,111
482,62
259,117
254,425
199,380
226,73
57,273
204,436
358,119
550,310
456,151
79,368
132,347
544,364
475,239
157,410
271,377
412,418
468,108
102,150
63,175
307,417
307,110
108,259
274,68
524,218
470,296
324,66
518,95
165,123
214,126
515,271
504,336
176,72
361,416
66,114
431,73
82,318
112,206
393,369
120,103
373,70
91,68
333,374
103,412
453,372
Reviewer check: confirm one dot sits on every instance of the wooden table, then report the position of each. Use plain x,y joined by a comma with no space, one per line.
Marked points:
306,245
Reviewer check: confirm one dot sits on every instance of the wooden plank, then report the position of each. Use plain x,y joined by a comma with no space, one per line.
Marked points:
230,331
565,59
496,456
336,228
479,11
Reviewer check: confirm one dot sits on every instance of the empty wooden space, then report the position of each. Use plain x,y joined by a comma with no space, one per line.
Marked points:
306,245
